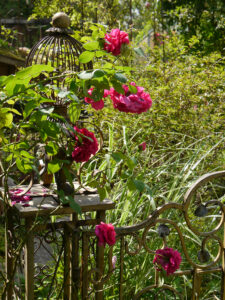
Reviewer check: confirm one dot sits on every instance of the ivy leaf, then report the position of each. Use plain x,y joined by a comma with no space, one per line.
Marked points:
86,56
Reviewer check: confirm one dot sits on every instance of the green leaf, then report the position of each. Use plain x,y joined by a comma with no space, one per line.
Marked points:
29,107
118,87
23,166
120,77
86,75
140,185
33,71
86,56
98,73
6,118
139,51
102,193
76,207
132,89
49,129
91,45
130,184
117,156
26,154
74,111
131,163
51,148
63,94
54,166
100,53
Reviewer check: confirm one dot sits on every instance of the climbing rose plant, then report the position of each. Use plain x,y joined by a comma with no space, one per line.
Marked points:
138,102
167,259
114,41
106,234
86,145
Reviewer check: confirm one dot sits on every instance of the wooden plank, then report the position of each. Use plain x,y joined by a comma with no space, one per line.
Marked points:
44,203
48,206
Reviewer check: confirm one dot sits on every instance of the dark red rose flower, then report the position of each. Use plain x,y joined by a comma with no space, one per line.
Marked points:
106,234
95,104
114,41
133,103
142,146
168,259
84,147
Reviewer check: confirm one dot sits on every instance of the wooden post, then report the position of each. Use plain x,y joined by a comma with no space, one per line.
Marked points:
75,268
223,267
196,285
29,260
84,266
9,255
99,260
67,269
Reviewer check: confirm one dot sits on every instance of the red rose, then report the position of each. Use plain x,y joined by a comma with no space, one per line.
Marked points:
114,41
142,146
167,258
133,103
105,234
84,147
95,104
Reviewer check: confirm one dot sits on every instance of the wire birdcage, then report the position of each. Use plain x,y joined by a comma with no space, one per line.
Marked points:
61,51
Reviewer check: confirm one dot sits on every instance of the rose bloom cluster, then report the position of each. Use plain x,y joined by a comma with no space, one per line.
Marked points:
84,147
97,105
114,41
106,234
138,102
168,259
134,103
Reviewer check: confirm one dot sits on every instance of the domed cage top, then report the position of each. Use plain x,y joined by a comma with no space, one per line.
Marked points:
60,50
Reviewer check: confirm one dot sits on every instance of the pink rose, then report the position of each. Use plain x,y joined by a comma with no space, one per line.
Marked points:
133,103
84,147
105,234
168,259
114,41
95,104
142,146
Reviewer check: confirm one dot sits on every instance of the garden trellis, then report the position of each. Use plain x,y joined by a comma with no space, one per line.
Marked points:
83,269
